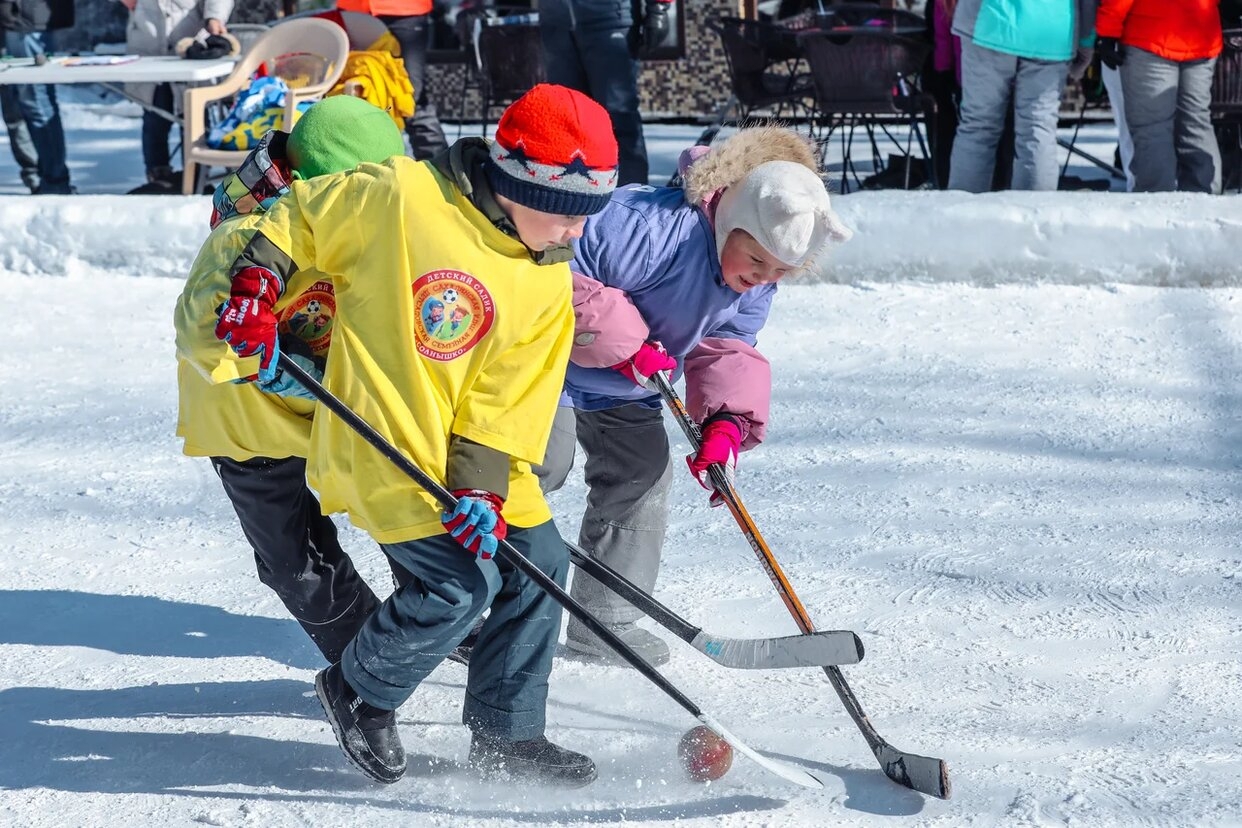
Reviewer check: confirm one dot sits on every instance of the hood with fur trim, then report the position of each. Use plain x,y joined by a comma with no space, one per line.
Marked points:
732,160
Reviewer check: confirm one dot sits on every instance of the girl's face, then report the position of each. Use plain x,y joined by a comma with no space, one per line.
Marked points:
745,264
539,231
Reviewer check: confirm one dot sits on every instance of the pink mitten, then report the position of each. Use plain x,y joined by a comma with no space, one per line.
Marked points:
649,358
721,443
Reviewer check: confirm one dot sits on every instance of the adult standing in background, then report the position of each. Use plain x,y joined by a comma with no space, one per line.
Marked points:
593,46
29,31
19,134
410,23
1166,53
154,28
1016,52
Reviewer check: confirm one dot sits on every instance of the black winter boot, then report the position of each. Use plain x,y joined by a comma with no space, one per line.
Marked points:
366,734
534,760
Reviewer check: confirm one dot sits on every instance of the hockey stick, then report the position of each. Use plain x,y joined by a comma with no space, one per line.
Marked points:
924,774
815,650
520,562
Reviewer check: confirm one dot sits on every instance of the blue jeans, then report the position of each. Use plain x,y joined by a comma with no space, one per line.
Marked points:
412,632
37,103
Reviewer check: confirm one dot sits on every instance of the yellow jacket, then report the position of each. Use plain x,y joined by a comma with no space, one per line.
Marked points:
405,250
216,416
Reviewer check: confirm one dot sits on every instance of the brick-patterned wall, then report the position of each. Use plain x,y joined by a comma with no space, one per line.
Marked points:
694,87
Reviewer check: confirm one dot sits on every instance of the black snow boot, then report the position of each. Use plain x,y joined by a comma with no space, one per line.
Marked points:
535,760
366,734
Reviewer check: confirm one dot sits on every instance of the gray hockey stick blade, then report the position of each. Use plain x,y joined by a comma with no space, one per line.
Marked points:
818,649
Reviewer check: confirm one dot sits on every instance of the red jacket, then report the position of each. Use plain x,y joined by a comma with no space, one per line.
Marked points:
1177,30
397,8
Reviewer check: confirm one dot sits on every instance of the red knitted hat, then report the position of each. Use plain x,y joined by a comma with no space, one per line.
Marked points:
555,152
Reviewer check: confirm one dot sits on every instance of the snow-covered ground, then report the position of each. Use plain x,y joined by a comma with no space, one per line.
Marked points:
1023,497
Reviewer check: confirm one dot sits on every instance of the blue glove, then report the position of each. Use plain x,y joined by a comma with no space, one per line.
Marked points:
284,385
476,523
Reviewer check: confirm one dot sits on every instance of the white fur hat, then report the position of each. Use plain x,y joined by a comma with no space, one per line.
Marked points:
784,205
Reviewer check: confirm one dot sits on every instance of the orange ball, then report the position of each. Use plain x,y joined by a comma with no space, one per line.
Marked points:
704,755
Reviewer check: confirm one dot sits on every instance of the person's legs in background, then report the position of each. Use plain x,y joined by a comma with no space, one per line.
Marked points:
562,63
19,138
1036,107
987,88
37,103
613,74
155,132
1117,103
1198,156
1149,84
599,63
423,128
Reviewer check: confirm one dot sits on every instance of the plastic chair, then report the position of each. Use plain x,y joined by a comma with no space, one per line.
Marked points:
867,76
247,33
309,54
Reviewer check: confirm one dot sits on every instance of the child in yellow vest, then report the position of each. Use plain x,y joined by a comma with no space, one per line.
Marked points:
258,441
480,234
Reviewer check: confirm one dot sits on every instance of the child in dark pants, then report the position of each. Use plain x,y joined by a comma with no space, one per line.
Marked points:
257,441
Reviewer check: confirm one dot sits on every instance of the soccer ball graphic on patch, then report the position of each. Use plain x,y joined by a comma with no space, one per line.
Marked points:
312,307
450,296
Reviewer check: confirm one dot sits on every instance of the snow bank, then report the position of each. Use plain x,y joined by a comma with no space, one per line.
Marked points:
1060,238
87,235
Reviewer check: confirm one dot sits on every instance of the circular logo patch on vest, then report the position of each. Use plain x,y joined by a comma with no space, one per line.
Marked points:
454,312
309,317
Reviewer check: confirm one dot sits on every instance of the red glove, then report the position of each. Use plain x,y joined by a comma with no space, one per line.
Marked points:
248,323
721,443
649,358
476,523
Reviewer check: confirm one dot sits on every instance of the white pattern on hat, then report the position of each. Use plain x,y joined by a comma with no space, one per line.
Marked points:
784,205
574,177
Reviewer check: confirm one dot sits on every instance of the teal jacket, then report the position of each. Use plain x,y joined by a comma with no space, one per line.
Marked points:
1035,29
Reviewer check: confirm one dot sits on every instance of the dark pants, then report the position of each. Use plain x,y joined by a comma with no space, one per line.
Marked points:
599,63
155,130
413,33
420,623
296,549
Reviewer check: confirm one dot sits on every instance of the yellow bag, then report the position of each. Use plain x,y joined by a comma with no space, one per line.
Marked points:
380,79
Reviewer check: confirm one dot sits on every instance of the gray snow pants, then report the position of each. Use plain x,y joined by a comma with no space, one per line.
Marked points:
990,82
628,476
1167,111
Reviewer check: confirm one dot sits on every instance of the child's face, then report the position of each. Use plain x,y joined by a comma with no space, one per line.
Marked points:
539,231
745,264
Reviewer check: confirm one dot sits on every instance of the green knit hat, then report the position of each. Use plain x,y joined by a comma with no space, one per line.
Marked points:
339,133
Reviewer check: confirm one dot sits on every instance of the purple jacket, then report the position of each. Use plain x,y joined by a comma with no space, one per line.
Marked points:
647,268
